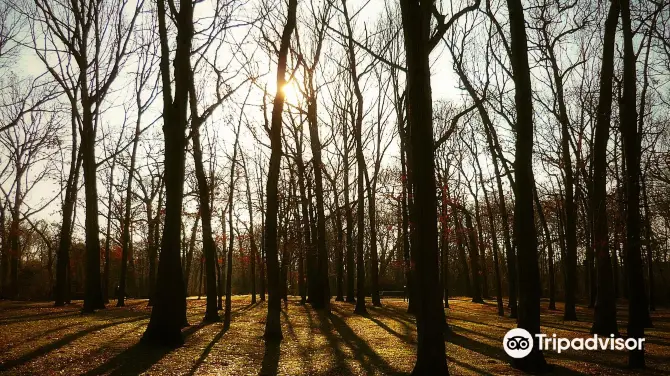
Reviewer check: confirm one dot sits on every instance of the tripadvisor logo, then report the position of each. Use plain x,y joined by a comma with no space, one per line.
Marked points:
518,343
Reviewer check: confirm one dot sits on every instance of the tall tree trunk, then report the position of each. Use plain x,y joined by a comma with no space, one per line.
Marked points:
272,323
360,240
307,233
153,250
638,313
643,101
93,290
496,248
229,264
65,238
431,355
374,258
208,246
190,250
168,315
351,266
482,252
649,238
444,250
550,248
494,241
301,259
321,298
604,322
126,239
339,245
252,238
465,269
360,159
105,280
570,264
15,234
4,251
407,234
474,260
524,222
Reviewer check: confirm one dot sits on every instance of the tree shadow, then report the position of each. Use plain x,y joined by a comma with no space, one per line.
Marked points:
403,337
139,357
43,350
367,357
326,328
304,354
207,350
217,337
39,335
270,365
482,348
479,371
499,354
398,315
481,323
38,317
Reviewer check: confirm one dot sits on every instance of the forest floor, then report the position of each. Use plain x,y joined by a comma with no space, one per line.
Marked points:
36,338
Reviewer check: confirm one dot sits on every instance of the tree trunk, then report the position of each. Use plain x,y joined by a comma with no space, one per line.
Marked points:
465,269
126,239
431,355
15,235
649,238
339,245
321,298
482,252
168,315
153,250
272,323
105,281
494,241
638,313
93,290
360,159
524,222
374,258
351,266
4,250
550,248
604,322
570,263
252,238
474,261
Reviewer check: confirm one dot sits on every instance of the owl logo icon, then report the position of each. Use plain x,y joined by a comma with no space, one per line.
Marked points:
518,343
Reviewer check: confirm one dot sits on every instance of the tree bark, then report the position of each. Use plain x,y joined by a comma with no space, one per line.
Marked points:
604,322
126,239
638,313
168,315
252,238
272,323
524,222
431,355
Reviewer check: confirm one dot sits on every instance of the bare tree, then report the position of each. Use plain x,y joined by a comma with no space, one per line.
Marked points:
272,323
97,39
168,315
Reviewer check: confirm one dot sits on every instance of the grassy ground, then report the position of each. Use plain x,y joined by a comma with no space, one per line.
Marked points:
36,338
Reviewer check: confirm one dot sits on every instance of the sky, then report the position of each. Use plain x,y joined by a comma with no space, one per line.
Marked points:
444,83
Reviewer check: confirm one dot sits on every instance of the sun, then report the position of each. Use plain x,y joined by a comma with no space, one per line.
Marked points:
290,92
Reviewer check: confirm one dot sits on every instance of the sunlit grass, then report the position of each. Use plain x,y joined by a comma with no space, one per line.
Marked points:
36,338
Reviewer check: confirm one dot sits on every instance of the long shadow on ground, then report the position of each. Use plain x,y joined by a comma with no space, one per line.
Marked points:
43,350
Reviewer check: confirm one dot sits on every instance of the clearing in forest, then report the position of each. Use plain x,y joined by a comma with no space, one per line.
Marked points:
36,338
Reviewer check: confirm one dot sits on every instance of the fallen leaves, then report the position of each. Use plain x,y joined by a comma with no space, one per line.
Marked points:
37,338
